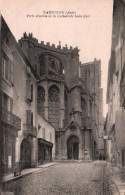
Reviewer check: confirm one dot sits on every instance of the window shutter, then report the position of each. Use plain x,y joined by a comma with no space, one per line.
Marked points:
9,71
28,90
11,74
32,92
28,113
32,118
11,105
2,65
6,68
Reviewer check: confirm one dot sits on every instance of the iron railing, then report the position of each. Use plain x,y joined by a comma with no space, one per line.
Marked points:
29,130
11,119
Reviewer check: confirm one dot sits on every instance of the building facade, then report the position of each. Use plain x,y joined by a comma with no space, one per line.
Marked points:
27,137
115,123
51,103
69,97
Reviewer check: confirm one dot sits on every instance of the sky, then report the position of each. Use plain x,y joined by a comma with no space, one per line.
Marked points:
88,26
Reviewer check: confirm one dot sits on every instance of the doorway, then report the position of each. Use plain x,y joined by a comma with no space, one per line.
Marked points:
25,154
73,147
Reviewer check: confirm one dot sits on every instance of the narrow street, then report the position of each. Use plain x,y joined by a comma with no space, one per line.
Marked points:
72,178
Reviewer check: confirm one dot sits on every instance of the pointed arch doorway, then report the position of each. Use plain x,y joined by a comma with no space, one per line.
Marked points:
73,147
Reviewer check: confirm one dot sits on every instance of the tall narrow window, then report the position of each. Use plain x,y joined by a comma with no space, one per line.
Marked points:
54,106
5,101
12,73
83,107
11,105
29,90
84,113
5,67
66,108
42,65
40,100
60,69
29,117
52,64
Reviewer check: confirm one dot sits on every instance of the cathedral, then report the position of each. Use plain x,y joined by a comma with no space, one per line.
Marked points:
69,97
51,104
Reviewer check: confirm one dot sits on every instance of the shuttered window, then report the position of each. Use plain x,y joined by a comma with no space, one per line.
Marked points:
40,100
7,68
29,90
11,74
29,117
11,105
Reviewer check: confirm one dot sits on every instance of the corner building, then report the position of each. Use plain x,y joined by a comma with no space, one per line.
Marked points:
27,137
69,97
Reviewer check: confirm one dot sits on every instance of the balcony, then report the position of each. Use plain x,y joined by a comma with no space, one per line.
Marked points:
11,119
86,122
29,130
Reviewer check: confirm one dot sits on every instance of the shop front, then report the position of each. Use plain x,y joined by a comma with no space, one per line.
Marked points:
44,151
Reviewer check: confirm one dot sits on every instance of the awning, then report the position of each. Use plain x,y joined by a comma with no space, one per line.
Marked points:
43,141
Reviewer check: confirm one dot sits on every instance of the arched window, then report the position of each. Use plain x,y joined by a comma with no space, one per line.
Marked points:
54,105
54,94
55,65
40,100
60,71
52,64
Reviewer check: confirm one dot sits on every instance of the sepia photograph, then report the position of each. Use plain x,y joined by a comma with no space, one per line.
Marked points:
62,97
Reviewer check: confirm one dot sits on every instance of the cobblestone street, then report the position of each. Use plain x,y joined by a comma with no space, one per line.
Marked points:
65,178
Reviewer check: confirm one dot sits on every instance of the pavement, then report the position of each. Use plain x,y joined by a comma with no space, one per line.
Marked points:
10,177
81,178
117,177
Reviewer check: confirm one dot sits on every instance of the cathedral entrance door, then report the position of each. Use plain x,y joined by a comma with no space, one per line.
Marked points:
73,148
76,150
